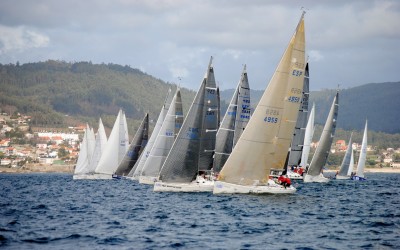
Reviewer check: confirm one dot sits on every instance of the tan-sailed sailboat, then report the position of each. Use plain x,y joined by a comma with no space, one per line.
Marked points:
265,141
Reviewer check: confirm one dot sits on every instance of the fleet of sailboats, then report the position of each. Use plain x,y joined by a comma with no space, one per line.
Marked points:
197,153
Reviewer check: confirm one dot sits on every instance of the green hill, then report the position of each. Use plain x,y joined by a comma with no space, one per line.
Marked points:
48,91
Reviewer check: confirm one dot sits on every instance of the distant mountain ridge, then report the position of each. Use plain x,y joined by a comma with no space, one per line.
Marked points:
377,102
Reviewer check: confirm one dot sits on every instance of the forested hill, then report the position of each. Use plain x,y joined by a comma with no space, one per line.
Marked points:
51,90
377,102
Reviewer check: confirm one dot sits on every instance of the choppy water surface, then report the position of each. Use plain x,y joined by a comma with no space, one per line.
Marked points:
51,211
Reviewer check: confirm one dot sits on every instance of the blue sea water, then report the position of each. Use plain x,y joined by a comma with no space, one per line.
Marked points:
52,211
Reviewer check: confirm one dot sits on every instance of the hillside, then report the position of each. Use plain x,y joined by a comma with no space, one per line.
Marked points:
377,102
57,93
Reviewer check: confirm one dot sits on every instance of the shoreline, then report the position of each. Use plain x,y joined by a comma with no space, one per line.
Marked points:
42,168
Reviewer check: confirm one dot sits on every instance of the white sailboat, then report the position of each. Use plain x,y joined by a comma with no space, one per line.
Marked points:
297,145
265,141
135,149
314,172
362,158
234,122
308,138
83,162
115,149
191,154
163,143
137,168
346,168
100,142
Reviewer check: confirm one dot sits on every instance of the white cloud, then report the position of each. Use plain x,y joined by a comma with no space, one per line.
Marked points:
20,39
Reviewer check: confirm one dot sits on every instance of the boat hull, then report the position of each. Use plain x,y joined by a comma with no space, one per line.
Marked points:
101,177
149,180
194,186
294,176
82,176
318,178
221,187
340,177
358,178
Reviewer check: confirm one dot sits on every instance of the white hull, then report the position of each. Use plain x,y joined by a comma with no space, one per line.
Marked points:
101,176
221,187
318,178
131,178
340,177
149,180
294,176
194,186
82,176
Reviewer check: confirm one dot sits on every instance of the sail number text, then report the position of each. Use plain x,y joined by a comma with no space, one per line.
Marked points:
297,72
270,113
294,99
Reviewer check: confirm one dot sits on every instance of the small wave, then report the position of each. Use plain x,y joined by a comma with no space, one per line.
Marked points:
41,206
381,224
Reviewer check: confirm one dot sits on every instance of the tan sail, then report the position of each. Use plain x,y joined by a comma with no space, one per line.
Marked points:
265,141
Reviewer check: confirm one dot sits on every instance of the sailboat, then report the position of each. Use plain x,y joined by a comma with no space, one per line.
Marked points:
234,122
314,172
163,143
264,143
362,158
308,139
137,168
191,155
135,149
115,149
346,168
296,147
100,142
85,153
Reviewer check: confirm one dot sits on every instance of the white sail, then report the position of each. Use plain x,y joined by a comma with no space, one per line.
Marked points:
164,141
137,168
363,153
100,143
308,138
115,149
351,166
83,159
265,141
344,168
314,173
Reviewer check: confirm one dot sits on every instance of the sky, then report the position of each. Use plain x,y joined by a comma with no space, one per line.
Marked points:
349,43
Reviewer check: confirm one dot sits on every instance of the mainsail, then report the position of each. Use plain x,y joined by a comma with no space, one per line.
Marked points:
344,168
83,161
296,147
100,144
363,153
308,138
137,168
324,146
194,146
136,147
116,147
265,141
165,138
234,122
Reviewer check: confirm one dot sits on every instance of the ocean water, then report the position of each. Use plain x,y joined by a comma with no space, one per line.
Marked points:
51,211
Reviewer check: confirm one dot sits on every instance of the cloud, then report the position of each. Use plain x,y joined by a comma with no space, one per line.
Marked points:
20,39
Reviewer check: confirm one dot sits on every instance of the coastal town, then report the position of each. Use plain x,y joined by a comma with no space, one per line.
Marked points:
30,149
